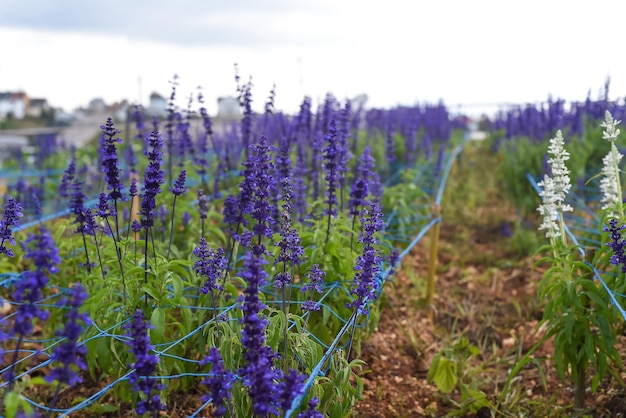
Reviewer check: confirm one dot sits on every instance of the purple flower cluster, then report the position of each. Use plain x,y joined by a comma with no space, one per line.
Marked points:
368,264
41,249
103,207
153,178
210,265
311,412
69,353
254,197
361,186
332,153
245,100
291,251
179,187
110,163
82,215
289,387
316,277
144,365
220,381
617,244
67,179
258,372
12,211
202,203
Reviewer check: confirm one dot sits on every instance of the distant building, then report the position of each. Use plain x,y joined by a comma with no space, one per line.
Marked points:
37,108
13,104
120,111
157,106
228,107
97,105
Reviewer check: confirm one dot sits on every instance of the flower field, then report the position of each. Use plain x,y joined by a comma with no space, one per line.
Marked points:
335,262
245,265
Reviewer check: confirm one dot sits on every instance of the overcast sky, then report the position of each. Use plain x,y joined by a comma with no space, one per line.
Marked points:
396,51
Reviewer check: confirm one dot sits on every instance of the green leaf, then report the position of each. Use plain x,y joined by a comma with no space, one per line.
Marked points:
177,285
158,321
11,404
445,376
478,398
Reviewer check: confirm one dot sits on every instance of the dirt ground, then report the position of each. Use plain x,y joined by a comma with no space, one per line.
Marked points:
488,296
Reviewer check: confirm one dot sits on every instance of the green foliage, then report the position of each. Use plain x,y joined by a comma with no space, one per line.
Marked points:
450,369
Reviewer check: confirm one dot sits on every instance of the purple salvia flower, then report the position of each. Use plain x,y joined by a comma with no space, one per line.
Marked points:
367,164
186,218
343,146
42,251
245,101
201,160
283,160
258,372
36,204
316,277
394,260
110,163
153,178
21,188
311,412
12,211
290,387
132,190
368,264
28,291
145,365
77,207
135,226
291,251
233,211
202,202
254,197
162,213
103,209
170,142
331,157
209,265
138,117
130,157
67,179
316,163
90,226
179,187
300,187
361,185
69,353
617,244
220,382
261,164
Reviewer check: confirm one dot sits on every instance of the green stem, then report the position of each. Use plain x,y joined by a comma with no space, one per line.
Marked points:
580,383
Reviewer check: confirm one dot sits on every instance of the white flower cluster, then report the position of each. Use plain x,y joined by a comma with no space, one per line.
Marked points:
610,127
610,185
611,196
555,188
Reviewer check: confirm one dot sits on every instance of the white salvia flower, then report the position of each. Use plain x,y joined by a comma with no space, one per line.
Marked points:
555,188
560,172
611,196
549,209
610,127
